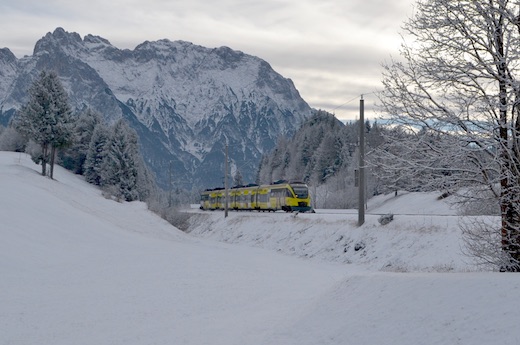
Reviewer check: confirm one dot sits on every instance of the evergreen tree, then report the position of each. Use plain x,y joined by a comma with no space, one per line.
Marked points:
74,157
146,187
46,118
120,164
279,160
328,157
322,153
96,154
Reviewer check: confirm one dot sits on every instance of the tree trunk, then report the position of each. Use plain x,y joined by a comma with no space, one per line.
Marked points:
53,154
511,232
510,198
510,215
45,148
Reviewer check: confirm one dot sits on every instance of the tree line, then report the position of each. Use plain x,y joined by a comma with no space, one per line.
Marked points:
324,154
107,155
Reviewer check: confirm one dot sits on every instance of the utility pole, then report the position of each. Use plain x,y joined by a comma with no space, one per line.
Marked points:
226,184
170,186
361,201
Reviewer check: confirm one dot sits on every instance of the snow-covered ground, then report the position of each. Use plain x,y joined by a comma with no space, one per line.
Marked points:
76,268
424,235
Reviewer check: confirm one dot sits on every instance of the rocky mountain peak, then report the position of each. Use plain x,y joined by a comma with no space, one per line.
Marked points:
184,100
96,40
59,39
6,56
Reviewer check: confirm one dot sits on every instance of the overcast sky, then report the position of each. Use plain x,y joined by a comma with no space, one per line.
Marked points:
331,49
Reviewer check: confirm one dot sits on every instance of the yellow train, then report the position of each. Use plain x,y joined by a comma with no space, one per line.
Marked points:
282,195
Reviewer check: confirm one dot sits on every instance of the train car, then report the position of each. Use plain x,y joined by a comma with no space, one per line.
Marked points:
282,195
212,199
288,196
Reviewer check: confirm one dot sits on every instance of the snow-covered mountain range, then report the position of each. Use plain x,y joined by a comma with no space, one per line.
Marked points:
185,101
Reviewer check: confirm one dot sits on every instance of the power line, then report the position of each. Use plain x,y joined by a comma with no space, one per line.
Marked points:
353,99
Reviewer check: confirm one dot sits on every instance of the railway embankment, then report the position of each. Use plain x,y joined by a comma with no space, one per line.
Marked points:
423,236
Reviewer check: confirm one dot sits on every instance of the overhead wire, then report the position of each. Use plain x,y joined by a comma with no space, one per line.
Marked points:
353,99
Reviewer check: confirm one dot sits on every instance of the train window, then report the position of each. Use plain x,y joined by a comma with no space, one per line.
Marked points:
278,193
301,192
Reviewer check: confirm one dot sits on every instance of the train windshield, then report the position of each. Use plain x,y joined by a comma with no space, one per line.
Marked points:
302,192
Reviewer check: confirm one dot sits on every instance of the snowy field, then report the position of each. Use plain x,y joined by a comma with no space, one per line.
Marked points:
76,268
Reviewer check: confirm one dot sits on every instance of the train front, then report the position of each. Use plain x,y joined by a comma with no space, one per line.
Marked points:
301,202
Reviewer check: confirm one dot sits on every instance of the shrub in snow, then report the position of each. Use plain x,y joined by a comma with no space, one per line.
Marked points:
385,219
359,246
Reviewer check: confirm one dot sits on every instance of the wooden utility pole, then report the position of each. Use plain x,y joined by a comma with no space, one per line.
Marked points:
361,201
170,186
226,184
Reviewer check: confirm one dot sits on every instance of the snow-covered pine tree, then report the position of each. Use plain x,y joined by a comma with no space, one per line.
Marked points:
146,186
328,156
279,160
62,127
120,165
96,154
294,158
73,158
46,117
321,153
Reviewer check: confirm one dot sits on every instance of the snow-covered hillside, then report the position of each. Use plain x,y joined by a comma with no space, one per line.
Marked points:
77,268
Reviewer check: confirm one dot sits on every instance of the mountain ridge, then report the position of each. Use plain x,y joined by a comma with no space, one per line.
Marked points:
185,101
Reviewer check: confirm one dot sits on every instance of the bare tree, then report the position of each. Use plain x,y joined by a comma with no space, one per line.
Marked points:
457,92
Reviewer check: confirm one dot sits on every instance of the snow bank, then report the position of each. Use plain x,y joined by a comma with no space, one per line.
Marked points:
424,235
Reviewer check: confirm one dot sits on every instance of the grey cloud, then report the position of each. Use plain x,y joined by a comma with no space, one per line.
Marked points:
331,49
